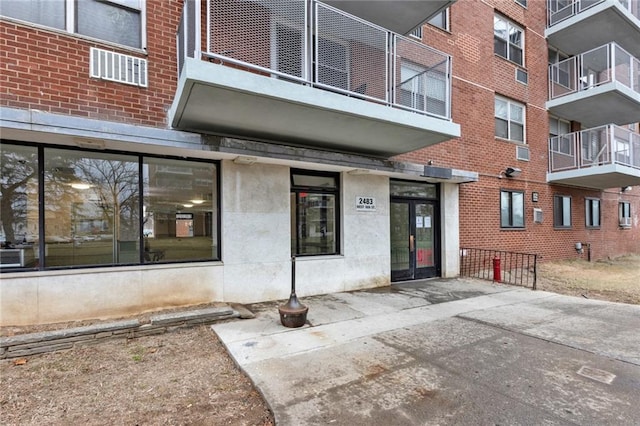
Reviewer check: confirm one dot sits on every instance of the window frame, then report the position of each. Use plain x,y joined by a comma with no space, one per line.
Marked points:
590,211
559,201
509,120
624,214
336,192
40,247
522,3
511,207
445,16
71,21
509,26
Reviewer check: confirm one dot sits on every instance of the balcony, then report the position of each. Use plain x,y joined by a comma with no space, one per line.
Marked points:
602,157
400,16
271,72
580,25
597,87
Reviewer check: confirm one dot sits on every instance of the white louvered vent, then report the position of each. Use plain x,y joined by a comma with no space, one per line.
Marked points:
537,215
522,153
114,66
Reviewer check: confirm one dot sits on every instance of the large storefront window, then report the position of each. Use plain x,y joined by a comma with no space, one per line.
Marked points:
314,213
91,208
179,210
101,208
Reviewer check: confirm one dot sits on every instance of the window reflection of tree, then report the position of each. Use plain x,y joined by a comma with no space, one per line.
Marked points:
18,168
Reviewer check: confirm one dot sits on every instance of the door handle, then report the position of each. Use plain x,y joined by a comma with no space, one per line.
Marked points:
412,243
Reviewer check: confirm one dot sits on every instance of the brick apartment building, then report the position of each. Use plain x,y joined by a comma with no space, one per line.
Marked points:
167,153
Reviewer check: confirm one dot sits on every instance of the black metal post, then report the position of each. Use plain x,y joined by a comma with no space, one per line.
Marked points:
293,314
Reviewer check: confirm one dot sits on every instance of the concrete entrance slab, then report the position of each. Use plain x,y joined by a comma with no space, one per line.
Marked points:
420,353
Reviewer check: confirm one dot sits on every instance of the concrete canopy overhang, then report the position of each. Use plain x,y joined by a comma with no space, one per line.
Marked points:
605,22
597,177
399,16
609,103
217,99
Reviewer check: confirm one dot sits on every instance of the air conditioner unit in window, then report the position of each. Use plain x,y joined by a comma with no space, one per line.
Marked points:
625,222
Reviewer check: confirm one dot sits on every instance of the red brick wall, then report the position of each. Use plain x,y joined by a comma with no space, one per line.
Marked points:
478,76
48,70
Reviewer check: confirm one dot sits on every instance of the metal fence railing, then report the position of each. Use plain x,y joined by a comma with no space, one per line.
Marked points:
311,43
604,64
559,10
508,267
598,146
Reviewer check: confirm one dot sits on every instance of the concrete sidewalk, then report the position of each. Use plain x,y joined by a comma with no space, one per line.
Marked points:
445,352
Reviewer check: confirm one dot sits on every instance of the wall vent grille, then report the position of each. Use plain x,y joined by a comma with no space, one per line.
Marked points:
522,76
522,153
117,67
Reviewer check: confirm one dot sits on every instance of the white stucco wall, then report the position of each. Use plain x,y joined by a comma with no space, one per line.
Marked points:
255,266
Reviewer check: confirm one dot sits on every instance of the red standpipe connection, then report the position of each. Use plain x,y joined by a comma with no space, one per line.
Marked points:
496,269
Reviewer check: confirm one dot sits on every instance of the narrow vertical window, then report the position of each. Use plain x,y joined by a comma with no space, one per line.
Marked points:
314,213
511,209
561,211
592,213
624,214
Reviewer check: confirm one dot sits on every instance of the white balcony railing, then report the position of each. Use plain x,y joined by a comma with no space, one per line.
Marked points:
594,68
559,10
311,43
599,146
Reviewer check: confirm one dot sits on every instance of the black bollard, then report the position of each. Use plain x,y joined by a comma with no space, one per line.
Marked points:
293,314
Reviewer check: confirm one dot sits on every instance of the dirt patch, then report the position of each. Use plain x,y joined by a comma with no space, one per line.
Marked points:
181,377
615,280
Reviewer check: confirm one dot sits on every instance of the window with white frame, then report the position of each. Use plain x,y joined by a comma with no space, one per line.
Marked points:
561,211
508,40
624,214
522,3
116,21
559,134
592,212
441,20
509,119
511,209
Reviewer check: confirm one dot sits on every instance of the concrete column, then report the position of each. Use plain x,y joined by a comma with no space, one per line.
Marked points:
450,229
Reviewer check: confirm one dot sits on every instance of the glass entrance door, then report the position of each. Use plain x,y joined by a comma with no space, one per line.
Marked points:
414,245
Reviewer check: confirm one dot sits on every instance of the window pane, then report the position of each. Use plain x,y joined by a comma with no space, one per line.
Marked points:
502,129
515,36
515,54
500,47
91,213
316,225
516,113
180,205
566,211
517,132
109,22
499,28
314,181
413,189
518,208
50,13
19,233
505,209
501,109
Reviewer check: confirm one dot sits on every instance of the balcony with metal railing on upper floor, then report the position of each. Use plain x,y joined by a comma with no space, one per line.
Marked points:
596,87
575,26
309,74
599,158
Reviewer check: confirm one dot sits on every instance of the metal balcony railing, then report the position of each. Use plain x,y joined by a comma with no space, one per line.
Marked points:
311,43
602,145
591,69
559,10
